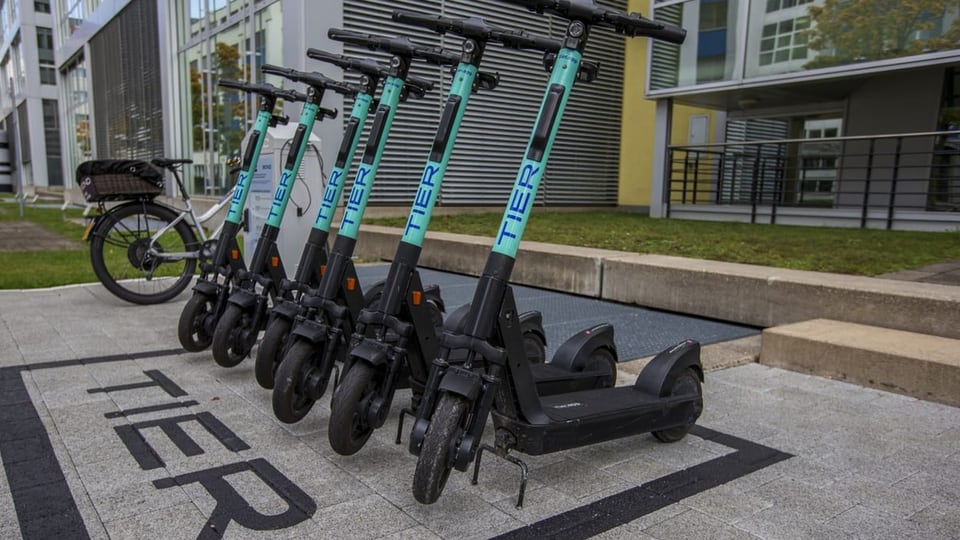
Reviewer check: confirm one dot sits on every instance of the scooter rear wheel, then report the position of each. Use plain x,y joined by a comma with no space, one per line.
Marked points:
270,351
687,383
535,348
434,463
349,429
193,337
228,348
291,401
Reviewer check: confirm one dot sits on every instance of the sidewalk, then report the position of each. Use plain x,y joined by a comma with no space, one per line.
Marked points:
107,429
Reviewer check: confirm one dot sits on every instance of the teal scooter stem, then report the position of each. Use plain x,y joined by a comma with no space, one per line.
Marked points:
318,338
244,317
313,257
218,276
496,378
376,365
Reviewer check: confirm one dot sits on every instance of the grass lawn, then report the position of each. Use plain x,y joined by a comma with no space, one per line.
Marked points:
846,251
32,269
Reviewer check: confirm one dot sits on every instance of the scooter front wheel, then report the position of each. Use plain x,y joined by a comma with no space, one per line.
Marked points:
349,428
291,399
270,352
435,463
687,383
228,347
190,328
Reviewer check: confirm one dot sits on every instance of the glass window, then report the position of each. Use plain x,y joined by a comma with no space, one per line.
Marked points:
51,135
41,6
209,51
76,117
48,74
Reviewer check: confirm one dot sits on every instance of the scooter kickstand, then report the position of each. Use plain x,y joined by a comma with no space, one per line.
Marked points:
502,452
403,412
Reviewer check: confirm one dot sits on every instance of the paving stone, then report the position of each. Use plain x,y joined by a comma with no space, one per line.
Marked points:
413,533
694,524
368,517
182,521
473,515
785,524
727,504
574,479
864,522
795,495
941,517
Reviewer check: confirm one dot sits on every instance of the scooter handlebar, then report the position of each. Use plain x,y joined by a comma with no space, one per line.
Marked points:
313,79
369,67
477,28
395,45
262,89
629,24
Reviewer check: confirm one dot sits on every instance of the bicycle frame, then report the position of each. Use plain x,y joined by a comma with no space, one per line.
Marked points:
196,222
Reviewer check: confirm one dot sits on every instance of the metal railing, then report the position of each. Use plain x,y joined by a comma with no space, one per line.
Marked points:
878,176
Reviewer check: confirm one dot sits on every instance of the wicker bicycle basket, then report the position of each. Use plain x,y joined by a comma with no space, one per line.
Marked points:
117,180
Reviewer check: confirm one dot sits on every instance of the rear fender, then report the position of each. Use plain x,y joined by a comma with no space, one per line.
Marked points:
658,376
432,293
455,321
575,353
531,322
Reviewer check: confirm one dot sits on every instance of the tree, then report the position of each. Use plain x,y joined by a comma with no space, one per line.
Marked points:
848,31
227,106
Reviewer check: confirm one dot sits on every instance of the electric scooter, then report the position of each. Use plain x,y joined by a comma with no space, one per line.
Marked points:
314,257
218,276
237,330
666,398
393,342
318,338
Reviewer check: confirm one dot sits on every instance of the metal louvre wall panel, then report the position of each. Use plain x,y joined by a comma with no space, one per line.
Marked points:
584,164
127,87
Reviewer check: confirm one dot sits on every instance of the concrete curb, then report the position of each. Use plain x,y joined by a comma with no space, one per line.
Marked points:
923,366
742,293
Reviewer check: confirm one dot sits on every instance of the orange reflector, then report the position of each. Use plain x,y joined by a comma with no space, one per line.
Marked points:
235,254
274,261
417,297
351,283
323,269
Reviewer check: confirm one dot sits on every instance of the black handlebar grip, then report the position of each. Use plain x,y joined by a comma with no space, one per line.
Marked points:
236,85
314,79
433,22
518,39
276,70
291,95
395,45
634,24
421,85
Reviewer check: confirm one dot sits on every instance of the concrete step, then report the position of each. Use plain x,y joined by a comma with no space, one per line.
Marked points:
919,365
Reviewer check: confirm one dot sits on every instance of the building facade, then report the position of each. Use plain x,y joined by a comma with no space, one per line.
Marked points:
138,80
837,112
29,108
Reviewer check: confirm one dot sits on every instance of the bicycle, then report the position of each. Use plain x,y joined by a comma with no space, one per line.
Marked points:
144,251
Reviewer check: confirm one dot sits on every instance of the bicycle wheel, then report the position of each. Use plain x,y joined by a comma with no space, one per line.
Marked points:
122,258
434,463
